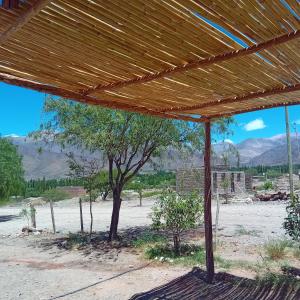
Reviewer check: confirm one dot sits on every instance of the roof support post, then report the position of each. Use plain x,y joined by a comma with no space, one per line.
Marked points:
210,268
289,151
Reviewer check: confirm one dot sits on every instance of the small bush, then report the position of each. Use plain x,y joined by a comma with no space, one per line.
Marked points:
268,185
291,223
277,279
177,213
276,249
190,254
296,252
55,195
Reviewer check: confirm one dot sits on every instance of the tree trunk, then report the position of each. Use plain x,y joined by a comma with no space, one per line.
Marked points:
81,217
32,214
91,213
176,240
115,214
141,200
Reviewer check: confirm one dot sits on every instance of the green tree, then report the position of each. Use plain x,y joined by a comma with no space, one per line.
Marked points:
177,213
11,170
127,140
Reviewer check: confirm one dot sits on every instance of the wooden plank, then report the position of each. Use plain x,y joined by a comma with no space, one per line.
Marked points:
210,269
200,63
23,19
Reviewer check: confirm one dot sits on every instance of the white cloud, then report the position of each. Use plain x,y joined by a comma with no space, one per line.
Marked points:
13,135
255,125
228,141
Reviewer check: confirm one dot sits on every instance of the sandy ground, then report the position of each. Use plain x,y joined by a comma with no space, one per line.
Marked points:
28,271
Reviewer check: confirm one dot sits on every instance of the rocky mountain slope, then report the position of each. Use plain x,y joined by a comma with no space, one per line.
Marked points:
42,160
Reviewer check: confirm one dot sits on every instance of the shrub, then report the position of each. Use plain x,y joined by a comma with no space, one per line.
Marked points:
291,223
177,213
190,254
25,214
268,185
55,195
276,249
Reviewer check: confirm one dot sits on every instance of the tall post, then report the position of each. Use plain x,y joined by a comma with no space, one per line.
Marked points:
210,268
32,215
81,217
52,216
289,150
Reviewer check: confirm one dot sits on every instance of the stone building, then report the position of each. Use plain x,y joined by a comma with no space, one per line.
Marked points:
225,182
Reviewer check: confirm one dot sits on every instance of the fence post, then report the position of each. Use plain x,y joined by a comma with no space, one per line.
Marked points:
32,215
81,218
52,216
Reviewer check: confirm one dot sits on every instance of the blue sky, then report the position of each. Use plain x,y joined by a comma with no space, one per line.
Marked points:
21,113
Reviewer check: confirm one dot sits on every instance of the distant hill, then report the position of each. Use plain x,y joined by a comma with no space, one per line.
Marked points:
51,161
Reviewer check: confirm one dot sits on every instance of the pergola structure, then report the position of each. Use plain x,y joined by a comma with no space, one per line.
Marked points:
181,59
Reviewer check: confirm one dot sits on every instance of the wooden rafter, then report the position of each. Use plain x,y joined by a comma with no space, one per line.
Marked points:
242,111
198,63
260,94
91,100
23,19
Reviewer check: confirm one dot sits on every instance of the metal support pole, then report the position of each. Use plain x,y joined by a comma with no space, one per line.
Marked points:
210,268
289,150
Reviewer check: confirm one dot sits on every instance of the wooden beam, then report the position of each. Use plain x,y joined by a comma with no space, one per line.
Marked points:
210,268
47,89
260,94
198,63
25,17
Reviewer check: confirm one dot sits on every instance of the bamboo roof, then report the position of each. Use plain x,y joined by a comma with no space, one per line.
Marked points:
185,59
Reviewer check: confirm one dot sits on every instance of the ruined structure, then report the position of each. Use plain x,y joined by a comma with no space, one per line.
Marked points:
223,181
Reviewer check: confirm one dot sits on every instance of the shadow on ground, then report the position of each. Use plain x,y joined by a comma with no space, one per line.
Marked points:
7,218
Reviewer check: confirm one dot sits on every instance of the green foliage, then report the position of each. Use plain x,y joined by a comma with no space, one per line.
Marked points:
268,185
151,194
149,238
177,213
160,179
11,170
296,252
35,188
277,279
189,256
55,195
291,223
268,171
25,214
275,249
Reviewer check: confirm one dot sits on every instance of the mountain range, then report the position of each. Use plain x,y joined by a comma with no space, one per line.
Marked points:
49,161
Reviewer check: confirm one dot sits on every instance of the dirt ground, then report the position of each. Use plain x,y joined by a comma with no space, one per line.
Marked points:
30,271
